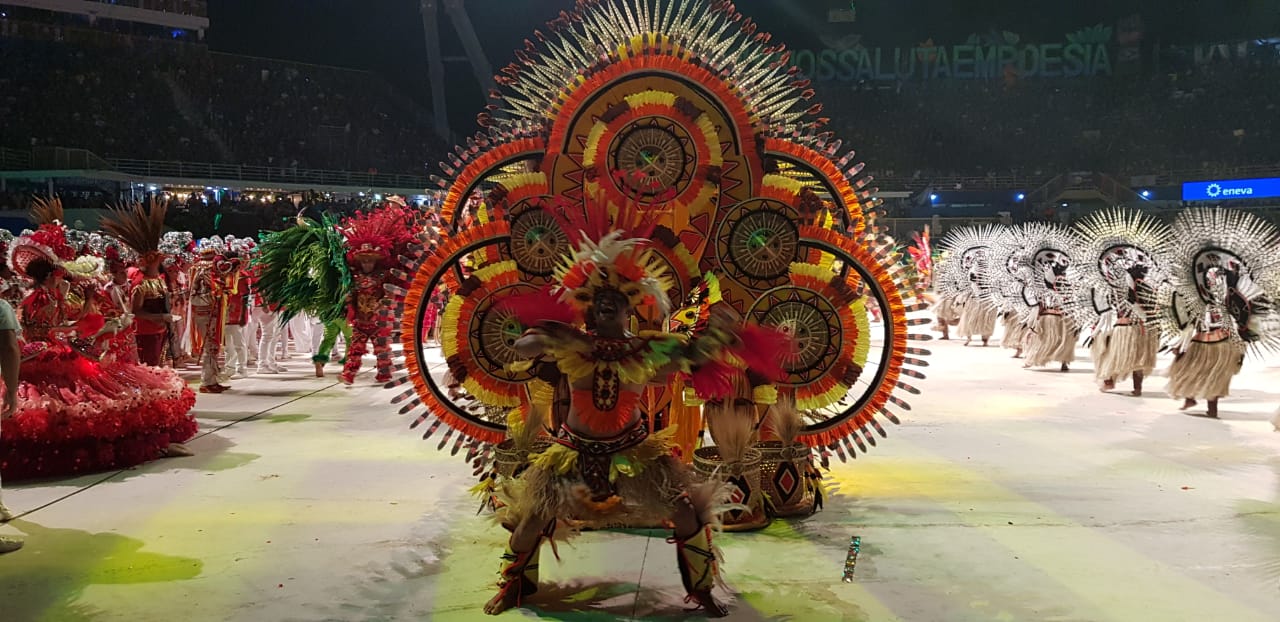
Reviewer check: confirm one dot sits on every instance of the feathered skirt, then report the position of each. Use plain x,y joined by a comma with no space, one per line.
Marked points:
1054,340
603,484
1124,350
947,311
77,414
978,317
1205,370
1015,332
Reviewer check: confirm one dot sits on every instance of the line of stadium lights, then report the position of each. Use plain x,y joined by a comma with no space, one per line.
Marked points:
1021,196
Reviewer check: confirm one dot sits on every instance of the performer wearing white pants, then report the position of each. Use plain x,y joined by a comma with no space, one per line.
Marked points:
237,350
271,329
300,326
251,333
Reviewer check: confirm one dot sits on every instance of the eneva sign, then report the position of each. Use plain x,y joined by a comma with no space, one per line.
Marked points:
1229,189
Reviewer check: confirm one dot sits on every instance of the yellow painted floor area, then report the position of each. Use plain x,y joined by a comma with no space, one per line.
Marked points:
1006,494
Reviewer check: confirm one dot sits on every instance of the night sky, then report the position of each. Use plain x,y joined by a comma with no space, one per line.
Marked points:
386,36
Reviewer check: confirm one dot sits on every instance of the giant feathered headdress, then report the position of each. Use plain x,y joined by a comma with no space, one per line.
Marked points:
1115,251
1020,266
140,227
966,249
382,234
45,211
1224,261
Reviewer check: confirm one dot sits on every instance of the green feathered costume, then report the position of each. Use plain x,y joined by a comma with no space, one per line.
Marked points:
303,269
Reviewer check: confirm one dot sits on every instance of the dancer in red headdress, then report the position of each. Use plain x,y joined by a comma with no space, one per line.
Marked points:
375,241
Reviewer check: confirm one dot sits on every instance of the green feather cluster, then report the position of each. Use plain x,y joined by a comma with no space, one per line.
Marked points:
303,269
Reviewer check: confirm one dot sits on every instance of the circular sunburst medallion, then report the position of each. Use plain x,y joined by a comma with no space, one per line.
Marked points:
493,332
655,155
813,324
537,242
757,243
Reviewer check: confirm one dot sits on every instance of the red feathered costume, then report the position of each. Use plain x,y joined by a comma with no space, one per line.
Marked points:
76,411
375,240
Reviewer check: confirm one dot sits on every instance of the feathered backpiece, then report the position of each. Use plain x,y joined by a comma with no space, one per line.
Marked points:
303,269
1007,283
1123,257
1048,258
139,226
1224,271
45,211
382,234
967,250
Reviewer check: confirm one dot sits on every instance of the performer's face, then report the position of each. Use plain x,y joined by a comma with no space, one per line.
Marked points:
609,309
367,265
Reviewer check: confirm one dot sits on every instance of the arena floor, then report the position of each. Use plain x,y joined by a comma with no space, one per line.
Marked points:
1006,495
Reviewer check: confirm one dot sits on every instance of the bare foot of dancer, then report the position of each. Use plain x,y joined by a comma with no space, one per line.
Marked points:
319,370
1188,403
1065,367
985,341
1108,385
708,605
505,599
1137,384
1213,409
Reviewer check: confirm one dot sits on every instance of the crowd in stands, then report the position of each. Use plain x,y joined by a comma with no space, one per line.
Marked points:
241,215
159,100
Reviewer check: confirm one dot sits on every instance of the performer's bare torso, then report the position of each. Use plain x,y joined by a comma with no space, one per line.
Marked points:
609,316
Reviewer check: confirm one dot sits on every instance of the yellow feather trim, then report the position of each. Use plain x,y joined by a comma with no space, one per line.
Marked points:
517,181
592,148
449,330
708,197
710,139
818,272
645,98
766,395
827,398
492,270
862,348
787,185
489,398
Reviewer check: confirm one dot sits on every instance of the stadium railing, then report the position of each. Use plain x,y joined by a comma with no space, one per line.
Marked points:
250,173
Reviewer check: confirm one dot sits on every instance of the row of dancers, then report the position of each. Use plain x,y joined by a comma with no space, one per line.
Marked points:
1125,284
